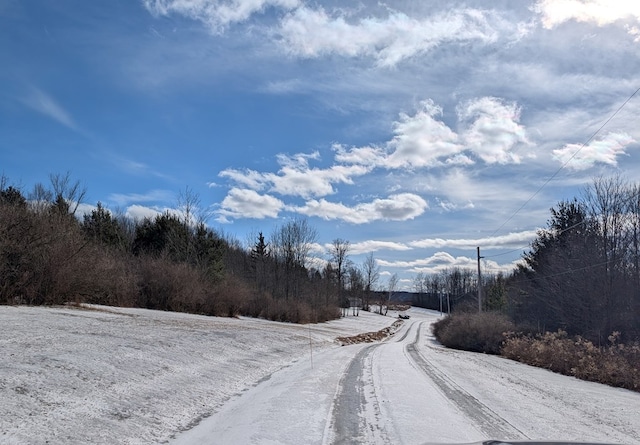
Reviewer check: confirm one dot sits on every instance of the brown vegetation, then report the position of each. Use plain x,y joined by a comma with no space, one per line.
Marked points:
171,262
479,332
615,364
370,337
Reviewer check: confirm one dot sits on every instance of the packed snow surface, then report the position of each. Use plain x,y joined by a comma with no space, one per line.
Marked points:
132,376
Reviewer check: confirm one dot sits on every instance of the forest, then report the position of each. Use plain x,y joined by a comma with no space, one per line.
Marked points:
49,254
572,305
581,274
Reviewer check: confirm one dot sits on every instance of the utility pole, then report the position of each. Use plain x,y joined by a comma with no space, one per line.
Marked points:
479,283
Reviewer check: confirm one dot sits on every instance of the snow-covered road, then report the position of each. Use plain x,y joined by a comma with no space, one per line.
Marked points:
410,390
132,376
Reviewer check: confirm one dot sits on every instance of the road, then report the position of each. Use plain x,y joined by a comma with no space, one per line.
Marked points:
410,390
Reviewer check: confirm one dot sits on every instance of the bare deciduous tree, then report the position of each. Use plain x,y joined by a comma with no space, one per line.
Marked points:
371,273
392,287
339,252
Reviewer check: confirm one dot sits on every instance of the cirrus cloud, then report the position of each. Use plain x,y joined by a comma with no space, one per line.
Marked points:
44,103
312,33
216,14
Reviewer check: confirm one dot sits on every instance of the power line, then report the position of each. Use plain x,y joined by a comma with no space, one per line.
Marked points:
584,144
560,232
566,272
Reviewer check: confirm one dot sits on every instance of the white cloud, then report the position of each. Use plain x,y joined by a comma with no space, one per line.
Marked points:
217,14
247,178
600,12
459,160
43,103
438,261
138,212
509,241
493,129
634,31
122,199
461,188
604,151
371,156
398,207
296,178
443,261
245,203
420,140
373,246
312,33
313,182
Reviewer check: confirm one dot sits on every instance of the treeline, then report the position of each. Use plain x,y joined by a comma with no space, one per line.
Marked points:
582,273
173,261
456,289
573,304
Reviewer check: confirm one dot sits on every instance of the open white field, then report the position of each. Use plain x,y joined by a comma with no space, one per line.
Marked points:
132,376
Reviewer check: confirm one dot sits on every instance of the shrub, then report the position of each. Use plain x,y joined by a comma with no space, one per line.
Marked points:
170,286
479,332
615,364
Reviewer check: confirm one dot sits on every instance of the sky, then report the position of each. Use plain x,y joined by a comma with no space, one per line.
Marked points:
414,130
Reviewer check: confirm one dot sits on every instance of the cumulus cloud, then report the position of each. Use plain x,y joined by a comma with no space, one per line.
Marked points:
308,32
296,178
217,14
307,182
599,12
442,261
400,207
247,178
438,261
138,212
603,151
490,132
371,156
420,140
493,129
245,203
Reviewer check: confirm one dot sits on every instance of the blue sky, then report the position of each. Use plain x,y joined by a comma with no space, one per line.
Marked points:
412,129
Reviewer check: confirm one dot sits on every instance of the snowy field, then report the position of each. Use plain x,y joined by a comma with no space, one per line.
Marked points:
131,376
134,376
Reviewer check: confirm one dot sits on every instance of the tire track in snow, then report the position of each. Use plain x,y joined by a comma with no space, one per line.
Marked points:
349,402
487,420
356,405
609,423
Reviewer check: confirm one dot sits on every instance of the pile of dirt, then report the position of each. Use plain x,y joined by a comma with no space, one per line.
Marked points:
370,337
